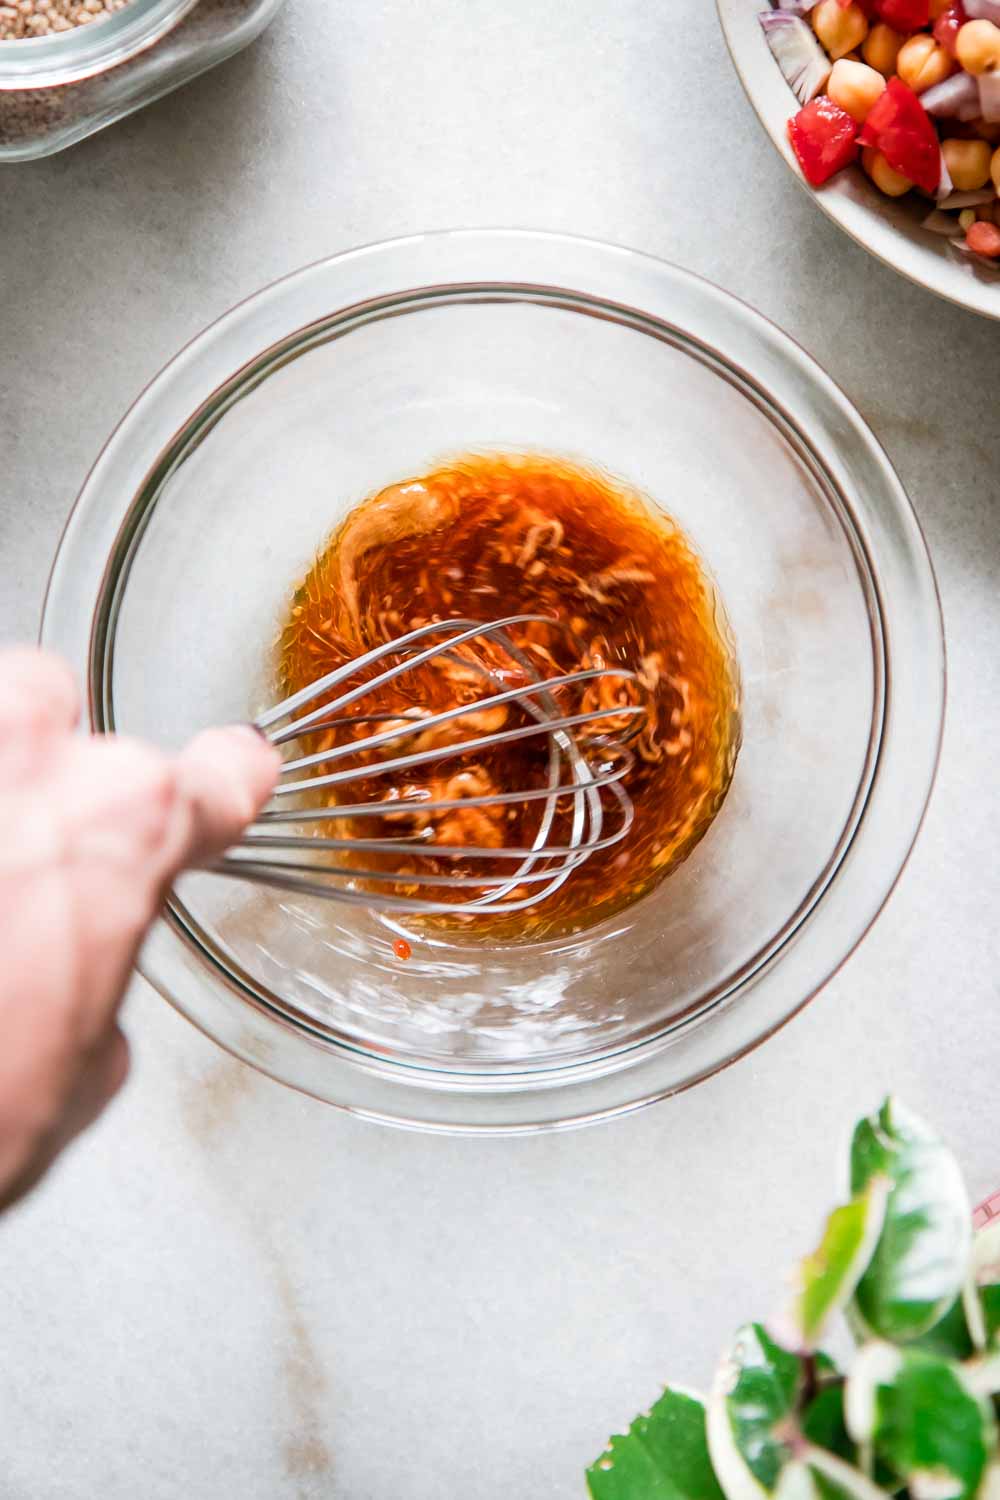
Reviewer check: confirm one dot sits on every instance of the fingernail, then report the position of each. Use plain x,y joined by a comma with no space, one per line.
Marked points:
249,735
257,737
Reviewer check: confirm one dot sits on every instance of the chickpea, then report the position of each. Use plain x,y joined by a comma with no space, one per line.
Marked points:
855,87
839,28
968,162
995,169
978,47
881,49
885,178
922,63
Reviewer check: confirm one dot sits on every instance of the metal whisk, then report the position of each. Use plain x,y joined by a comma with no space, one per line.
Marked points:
582,768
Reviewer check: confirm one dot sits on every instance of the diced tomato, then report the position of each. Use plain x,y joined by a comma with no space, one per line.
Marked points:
947,25
905,15
984,239
900,127
824,138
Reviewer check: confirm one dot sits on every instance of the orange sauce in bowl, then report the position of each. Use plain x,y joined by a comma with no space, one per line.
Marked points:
487,536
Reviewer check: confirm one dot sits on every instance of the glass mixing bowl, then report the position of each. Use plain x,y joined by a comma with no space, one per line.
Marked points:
211,499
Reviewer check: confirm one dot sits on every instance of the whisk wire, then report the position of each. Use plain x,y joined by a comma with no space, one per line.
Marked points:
414,725
405,643
435,753
446,804
308,864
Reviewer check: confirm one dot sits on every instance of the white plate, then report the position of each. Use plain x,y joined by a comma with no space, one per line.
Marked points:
889,228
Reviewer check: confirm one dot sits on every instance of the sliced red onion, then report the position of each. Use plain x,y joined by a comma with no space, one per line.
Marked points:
804,65
941,223
945,186
970,259
955,99
796,7
989,97
973,199
983,10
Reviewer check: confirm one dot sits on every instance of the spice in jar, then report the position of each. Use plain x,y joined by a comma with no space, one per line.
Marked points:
28,18
49,99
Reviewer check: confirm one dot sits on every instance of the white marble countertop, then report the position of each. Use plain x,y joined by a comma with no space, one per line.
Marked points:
227,1290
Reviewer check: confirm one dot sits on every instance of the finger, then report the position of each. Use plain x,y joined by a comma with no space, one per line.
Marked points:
110,829
108,804
92,844
224,777
38,695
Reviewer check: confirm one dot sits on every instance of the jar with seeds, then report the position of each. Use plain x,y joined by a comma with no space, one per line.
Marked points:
70,67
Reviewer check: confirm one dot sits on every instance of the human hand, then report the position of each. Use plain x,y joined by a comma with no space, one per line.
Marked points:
93,831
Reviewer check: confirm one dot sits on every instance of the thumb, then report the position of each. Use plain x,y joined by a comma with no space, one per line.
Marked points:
224,777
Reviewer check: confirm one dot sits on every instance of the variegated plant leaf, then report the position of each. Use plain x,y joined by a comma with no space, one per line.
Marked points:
750,1414
921,1417
918,1266
663,1456
981,1295
827,1278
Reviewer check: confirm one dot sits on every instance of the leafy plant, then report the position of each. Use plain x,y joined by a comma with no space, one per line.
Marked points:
914,1416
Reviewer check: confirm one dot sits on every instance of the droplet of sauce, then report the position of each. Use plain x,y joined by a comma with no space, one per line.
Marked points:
402,949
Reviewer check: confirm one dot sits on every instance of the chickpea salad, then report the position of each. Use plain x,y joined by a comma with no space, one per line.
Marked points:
911,88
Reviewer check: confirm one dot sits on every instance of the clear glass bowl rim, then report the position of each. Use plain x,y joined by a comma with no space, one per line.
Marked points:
66,57
804,396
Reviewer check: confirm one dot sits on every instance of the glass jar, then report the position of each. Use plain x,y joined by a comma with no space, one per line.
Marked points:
57,89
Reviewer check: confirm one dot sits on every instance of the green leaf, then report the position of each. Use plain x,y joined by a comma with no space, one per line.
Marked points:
750,1413
921,1418
918,1267
950,1337
836,1480
827,1489
989,1296
828,1277
815,1476
823,1422
663,1456
981,1297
